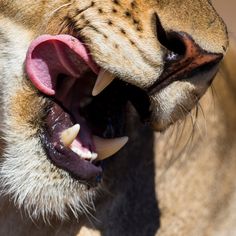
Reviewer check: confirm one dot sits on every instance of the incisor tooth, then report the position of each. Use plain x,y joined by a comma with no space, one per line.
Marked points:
69,135
103,80
107,147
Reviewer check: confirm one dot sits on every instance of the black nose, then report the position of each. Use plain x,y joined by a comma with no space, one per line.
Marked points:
183,57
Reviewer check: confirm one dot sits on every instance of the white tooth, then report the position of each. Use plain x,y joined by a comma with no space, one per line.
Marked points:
75,149
107,147
94,156
103,80
78,151
69,135
85,154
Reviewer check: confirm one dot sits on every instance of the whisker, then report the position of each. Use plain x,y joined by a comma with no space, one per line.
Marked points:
186,147
50,15
59,8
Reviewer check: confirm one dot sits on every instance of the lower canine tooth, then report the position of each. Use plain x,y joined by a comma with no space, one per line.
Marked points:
108,147
69,135
103,80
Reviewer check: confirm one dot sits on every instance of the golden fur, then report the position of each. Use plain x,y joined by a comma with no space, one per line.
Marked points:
185,187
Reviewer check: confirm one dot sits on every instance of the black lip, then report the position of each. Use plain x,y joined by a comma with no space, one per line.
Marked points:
58,120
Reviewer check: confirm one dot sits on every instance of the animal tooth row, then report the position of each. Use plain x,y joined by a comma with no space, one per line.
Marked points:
103,80
85,154
69,135
104,147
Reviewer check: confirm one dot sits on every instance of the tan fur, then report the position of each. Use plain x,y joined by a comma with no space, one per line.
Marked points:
189,185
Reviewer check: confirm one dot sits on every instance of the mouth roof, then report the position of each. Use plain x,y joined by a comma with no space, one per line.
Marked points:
61,68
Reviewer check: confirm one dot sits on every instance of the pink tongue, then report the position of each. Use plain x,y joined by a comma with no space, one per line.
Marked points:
49,56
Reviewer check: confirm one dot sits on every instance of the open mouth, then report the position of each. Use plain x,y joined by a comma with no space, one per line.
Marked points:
85,119
84,123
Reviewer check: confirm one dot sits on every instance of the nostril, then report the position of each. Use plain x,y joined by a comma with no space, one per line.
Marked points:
175,44
183,59
171,40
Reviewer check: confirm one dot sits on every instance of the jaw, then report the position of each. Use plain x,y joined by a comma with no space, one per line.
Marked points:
53,191
27,176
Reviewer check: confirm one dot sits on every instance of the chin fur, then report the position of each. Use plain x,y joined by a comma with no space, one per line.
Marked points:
37,186
174,103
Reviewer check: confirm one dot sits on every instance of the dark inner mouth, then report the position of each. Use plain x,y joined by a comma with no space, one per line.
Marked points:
71,102
95,115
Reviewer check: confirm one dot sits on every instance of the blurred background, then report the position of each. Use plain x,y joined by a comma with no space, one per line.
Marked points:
227,9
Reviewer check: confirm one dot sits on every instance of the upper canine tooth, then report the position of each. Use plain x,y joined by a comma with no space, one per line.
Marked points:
107,147
103,80
69,135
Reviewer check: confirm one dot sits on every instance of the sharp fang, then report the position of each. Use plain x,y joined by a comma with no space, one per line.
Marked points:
107,147
103,80
69,135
